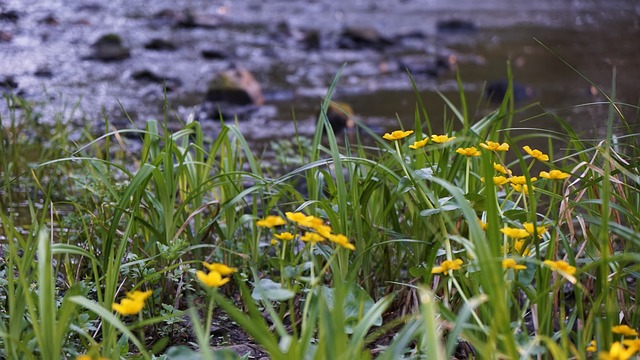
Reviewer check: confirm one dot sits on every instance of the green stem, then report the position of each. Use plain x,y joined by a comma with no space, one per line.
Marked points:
443,228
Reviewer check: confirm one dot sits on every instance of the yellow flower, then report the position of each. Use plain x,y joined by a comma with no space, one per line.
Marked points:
501,169
341,240
529,227
446,266
520,180
554,175
561,266
441,139
515,233
536,154
298,217
494,146
518,245
132,304
397,135
500,180
313,222
311,237
592,346
83,357
522,188
624,330
285,236
632,344
512,264
420,143
483,225
270,221
617,352
274,242
222,269
471,151
212,279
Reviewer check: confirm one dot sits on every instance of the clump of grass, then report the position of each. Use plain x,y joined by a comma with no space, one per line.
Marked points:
450,242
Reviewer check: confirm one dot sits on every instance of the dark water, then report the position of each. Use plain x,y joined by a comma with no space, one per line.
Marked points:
46,42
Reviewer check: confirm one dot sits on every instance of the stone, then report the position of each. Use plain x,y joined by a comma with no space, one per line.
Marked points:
312,40
43,72
149,76
456,26
340,116
160,45
362,37
189,19
5,36
10,15
214,54
424,64
496,90
109,47
235,86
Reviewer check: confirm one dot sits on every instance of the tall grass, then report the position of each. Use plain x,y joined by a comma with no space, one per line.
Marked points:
147,220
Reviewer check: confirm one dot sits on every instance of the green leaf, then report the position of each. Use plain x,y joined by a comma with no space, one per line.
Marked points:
516,215
267,289
448,207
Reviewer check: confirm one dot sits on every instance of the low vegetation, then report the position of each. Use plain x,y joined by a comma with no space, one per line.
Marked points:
470,243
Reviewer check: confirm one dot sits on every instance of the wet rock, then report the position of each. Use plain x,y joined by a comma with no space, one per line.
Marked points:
235,86
10,15
210,111
43,72
109,47
5,36
151,77
189,19
362,37
214,54
50,20
312,40
163,18
456,26
495,91
424,64
160,45
340,116
8,83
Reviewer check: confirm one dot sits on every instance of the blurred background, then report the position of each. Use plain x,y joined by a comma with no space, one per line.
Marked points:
270,62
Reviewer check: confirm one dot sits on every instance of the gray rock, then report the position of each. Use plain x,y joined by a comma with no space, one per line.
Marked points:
160,45
362,37
456,26
109,47
235,86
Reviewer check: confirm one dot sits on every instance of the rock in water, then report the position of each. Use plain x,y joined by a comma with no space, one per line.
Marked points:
235,86
340,116
109,48
456,26
495,91
362,37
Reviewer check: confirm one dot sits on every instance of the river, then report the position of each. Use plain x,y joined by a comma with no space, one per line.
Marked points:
294,49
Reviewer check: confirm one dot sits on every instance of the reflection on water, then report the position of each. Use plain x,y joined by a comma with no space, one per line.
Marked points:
294,48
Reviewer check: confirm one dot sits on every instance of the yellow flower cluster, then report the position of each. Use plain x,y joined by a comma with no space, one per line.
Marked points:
133,303
536,154
401,134
561,266
319,230
624,349
510,263
446,266
216,275
554,175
